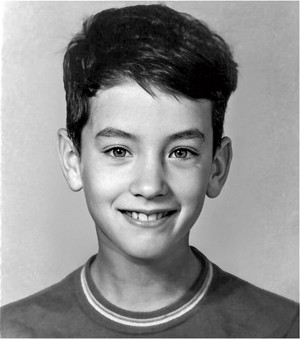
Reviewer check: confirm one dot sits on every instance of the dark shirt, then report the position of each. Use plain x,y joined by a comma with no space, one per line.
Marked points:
217,305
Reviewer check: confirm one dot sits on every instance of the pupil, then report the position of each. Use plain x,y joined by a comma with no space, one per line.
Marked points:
118,152
181,154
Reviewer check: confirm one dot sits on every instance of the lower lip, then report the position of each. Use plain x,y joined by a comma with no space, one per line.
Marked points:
149,224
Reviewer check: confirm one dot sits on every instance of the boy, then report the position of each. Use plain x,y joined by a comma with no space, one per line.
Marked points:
146,90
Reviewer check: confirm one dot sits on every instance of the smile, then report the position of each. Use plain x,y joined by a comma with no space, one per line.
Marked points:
146,217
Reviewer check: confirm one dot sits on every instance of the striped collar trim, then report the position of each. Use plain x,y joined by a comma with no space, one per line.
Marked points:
159,320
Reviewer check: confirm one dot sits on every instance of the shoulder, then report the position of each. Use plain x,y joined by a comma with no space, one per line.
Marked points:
252,310
20,318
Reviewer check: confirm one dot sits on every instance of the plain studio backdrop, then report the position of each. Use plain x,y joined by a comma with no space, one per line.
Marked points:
250,230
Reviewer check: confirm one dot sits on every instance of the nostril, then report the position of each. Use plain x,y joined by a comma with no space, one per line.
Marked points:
149,191
149,188
148,178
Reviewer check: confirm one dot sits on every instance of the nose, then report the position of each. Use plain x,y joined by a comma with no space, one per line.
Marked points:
149,179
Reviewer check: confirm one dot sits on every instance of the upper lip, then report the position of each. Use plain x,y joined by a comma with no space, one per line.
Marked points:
149,212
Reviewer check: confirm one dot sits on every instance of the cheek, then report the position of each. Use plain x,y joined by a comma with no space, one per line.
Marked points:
191,194
190,188
101,185
95,184
194,194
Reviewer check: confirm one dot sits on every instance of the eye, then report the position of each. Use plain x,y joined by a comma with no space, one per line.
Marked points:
118,152
182,153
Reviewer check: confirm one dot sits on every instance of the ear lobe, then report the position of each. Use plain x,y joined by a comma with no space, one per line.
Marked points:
69,160
220,168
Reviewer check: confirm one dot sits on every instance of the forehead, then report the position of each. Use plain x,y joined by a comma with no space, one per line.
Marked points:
130,107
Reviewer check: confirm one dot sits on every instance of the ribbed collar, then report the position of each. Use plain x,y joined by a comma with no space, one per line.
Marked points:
147,319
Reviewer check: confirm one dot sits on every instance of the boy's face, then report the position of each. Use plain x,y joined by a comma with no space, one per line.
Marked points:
145,166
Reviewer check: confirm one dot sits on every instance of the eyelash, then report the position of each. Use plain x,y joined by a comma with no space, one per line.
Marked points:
111,150
192,153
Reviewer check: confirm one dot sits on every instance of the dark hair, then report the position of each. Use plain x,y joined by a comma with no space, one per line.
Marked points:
155,46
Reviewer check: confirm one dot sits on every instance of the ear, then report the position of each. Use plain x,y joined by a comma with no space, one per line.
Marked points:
69,160
220,168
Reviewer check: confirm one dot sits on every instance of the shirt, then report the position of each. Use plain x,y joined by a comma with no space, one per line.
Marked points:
217,305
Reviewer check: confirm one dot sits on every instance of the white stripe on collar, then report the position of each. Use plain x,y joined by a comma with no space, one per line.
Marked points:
150,321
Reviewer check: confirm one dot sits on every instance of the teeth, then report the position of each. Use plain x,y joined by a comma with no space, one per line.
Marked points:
145,217
152,217
159,215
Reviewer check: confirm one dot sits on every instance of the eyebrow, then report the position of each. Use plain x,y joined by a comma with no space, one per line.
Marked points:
187,134
110,132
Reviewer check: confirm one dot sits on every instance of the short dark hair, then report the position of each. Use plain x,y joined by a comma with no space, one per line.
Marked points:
155,46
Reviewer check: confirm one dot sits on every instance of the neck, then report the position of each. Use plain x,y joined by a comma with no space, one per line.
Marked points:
144,285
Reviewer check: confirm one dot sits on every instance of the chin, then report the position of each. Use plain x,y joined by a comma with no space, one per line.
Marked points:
146,250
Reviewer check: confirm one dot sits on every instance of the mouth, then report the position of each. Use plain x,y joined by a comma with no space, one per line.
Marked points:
151,218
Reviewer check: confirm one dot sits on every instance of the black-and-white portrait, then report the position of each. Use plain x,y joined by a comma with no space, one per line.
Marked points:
117,165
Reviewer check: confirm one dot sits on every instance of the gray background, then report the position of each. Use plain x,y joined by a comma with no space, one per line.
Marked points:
251,230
